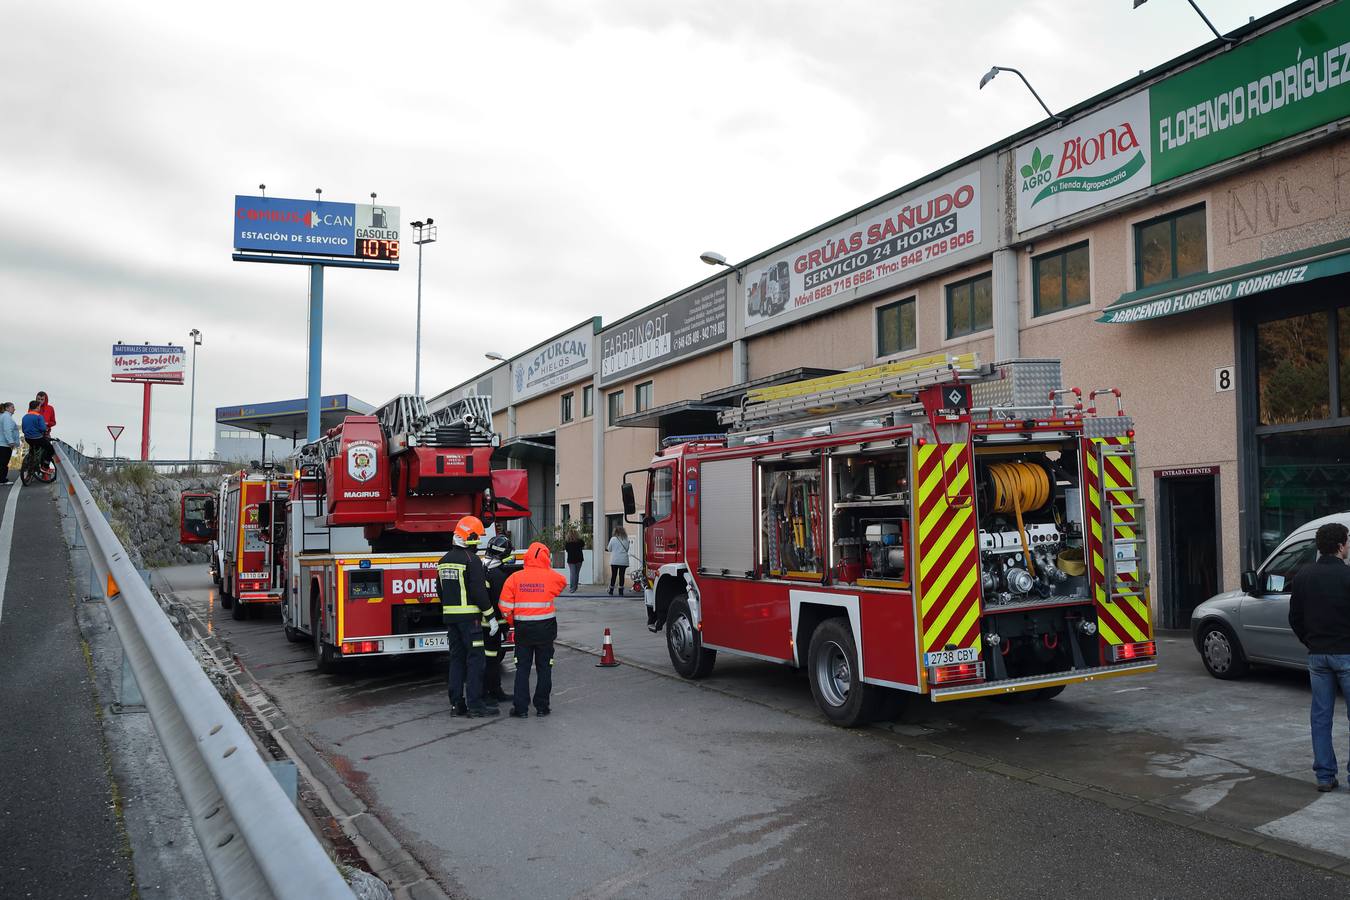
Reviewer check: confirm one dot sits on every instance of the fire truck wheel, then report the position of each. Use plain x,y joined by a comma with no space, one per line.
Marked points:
836,681
687,653
240,611
226,601
292,635
1043,694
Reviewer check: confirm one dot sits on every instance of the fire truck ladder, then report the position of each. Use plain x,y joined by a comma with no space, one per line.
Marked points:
467,422
1123,555
850,391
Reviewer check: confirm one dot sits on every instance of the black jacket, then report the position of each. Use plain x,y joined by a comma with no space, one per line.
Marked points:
1319,606
496,577
574,550
475,581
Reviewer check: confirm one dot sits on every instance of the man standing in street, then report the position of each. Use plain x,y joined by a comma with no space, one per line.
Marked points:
462,587
527,602
9,439
47,410
495,557
1319,613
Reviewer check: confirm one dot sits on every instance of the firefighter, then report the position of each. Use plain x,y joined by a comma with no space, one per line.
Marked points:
462,586
527,602
495,554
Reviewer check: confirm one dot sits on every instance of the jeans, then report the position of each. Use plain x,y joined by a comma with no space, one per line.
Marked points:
465,636
616,574
1326,671
541,657
5,453
574,573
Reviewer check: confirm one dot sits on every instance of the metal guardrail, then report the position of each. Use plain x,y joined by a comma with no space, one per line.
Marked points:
84,463
253,838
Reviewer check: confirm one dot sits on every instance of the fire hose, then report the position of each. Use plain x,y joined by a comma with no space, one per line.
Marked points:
1019,486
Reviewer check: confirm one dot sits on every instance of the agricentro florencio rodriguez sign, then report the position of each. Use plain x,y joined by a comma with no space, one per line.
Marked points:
1263,90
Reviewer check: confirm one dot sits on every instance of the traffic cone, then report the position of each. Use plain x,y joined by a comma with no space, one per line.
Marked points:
607,660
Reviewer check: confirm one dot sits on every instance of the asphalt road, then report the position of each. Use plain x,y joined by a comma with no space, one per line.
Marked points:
60,834
643,785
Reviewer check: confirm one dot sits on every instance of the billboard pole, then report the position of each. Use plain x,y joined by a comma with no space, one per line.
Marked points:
314,390
145,424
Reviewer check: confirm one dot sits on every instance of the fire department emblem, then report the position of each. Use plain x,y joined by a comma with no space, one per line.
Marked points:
361,463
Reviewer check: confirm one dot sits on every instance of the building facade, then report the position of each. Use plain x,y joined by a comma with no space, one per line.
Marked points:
1184,237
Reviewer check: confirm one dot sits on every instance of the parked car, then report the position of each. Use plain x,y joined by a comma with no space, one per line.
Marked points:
1234,629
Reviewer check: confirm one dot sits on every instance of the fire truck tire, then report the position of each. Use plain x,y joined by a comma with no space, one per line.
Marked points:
687,653
836,680
1043,694
295,637
240,611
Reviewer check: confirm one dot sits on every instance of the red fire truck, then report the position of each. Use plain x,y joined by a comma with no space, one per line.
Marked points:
371,508
243,563
936,527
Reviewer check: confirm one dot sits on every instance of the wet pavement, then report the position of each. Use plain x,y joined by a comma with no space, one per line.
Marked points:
642,784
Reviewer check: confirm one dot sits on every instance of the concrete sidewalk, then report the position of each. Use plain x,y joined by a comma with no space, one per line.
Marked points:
60,809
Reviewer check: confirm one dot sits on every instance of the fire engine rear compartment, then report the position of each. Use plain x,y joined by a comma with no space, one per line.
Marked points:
837,523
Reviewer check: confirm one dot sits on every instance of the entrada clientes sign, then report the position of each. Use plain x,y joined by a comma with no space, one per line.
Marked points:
1263,90
316,228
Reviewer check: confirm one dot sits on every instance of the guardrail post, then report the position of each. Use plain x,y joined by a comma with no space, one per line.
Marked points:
129,692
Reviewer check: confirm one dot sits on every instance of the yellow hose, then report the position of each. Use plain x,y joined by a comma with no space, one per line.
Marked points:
1018,486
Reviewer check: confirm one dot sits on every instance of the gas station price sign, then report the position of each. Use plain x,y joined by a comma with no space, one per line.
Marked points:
269,225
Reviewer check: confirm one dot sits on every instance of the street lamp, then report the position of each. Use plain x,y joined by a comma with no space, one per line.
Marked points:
192,405
1201,13
425,234
713,258
989,76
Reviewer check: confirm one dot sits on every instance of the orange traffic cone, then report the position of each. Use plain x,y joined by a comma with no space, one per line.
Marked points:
607,660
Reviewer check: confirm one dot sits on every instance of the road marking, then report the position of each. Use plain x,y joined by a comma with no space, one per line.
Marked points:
1129,690
6,538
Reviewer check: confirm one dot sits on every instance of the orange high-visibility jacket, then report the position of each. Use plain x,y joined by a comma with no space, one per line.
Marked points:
528,594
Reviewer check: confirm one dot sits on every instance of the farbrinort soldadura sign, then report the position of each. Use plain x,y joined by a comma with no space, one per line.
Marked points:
1263,90
679,327
921,231
563,360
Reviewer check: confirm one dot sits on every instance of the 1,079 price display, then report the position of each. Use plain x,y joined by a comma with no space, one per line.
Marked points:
376,248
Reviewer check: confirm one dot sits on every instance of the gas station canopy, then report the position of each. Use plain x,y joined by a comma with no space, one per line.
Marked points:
286,418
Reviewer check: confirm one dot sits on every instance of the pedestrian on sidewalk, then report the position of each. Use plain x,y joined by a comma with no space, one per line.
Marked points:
527,602
1319,613
572,544
618,558
9,439
48,411
462,587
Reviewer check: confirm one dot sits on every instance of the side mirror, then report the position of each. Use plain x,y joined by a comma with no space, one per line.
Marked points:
648,520
629,502
1249,581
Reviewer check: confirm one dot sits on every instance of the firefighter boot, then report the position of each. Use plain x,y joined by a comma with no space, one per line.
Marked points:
459,708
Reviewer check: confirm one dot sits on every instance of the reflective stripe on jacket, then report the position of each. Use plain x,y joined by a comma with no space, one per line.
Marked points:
460,583
528,594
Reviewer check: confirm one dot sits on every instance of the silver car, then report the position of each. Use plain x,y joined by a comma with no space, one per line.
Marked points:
1237,628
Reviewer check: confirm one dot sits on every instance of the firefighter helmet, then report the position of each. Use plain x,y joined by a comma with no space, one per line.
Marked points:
499,547
468,531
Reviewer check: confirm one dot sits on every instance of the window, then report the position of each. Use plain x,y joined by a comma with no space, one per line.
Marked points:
567,512
970,305
1170,247
663,492
792,543
615,407
587,513
896,328
587,401
613,522
566,414
643,397
1060,280
1293,370
1282,568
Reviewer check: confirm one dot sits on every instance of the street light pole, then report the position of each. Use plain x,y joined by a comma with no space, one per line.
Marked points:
192,405
425,234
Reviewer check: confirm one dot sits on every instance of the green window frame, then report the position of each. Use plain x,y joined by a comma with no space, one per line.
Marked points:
1061,280
1171,247
970,305
897,327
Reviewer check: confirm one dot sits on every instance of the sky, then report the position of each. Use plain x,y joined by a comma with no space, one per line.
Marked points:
576,155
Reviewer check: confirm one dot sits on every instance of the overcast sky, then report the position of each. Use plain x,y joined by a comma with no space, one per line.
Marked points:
577,156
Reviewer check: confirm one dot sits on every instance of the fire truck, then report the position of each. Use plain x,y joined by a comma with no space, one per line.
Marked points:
370,509
937,527
244,564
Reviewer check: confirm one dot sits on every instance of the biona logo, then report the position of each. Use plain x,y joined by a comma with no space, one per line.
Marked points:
1080,152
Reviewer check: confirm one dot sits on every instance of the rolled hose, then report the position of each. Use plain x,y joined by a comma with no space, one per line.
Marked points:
1018,487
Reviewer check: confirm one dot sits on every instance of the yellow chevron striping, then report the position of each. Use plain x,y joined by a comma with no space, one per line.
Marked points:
961,561
1105,631
963,626
934,552
959,518
962,592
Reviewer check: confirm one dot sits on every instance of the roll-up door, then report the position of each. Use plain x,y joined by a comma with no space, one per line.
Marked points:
726,535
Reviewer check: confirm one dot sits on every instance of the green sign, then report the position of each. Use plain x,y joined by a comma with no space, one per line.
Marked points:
1287,81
